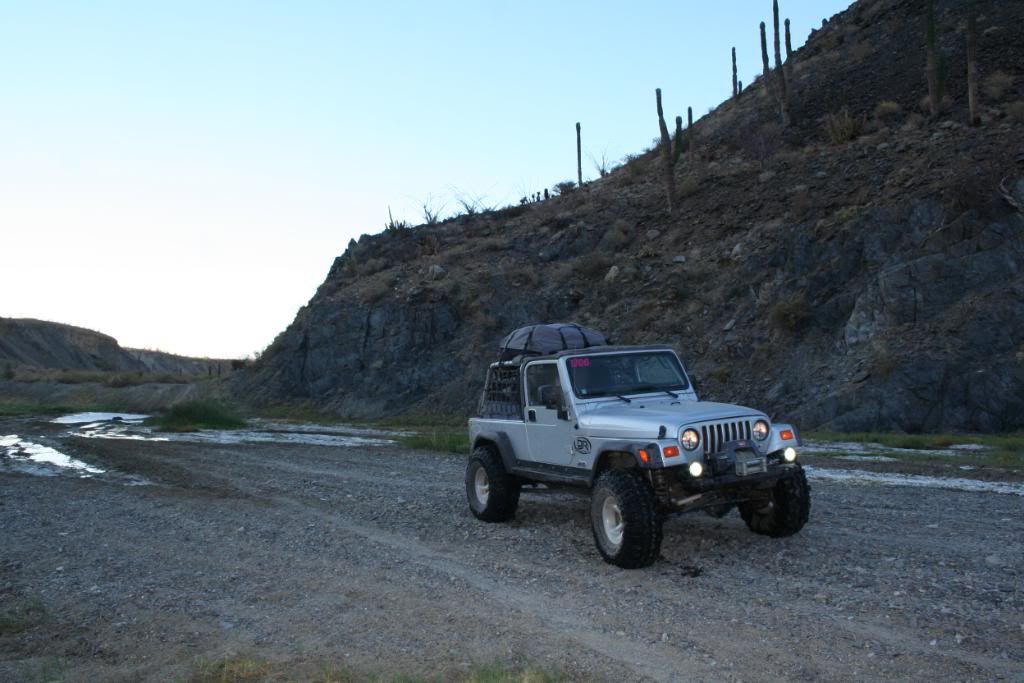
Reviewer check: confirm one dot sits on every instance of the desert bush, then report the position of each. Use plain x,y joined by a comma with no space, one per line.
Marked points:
614,238
591,267
394,226
563,188
790,315
689,186
977,183
370,266
194,415
996,85
760,144
888,112
842,127
375,291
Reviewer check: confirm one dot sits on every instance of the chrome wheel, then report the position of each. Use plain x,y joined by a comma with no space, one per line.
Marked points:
481,486
611,515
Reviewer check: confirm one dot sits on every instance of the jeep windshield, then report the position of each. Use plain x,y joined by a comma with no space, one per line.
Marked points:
619,374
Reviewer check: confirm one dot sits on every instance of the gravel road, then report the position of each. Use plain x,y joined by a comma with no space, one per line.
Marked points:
368,557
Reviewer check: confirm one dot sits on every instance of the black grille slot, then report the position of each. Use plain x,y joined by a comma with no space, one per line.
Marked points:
715,436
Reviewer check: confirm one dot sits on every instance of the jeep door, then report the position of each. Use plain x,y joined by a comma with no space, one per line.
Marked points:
549,433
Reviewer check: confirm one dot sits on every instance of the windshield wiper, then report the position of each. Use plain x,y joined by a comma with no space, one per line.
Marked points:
646,388
627,400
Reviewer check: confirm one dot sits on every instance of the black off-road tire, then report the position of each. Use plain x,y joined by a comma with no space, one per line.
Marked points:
633,502
498,498
785,513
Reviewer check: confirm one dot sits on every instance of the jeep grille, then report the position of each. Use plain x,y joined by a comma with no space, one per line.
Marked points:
715,436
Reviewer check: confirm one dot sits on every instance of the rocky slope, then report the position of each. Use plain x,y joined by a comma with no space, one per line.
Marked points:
29,343
871,283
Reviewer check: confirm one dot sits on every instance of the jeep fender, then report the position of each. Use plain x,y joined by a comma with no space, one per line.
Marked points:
617,455
777,443
502,443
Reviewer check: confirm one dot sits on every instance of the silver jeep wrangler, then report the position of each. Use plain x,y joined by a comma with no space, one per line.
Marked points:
626,423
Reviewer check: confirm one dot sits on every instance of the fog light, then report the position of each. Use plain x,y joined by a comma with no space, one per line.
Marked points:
789,454
696,469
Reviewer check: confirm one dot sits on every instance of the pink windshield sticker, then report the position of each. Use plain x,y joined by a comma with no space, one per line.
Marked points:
579,362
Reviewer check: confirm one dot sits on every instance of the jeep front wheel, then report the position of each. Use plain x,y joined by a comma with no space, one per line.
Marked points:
785,512
492,492
624,516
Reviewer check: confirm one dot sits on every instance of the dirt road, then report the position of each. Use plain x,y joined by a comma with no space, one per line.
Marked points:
367,557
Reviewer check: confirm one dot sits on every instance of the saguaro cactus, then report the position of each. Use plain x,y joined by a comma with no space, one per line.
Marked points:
972,68
690,142
666,153
579,156
783,91
789,54
735,79
765,67
934,62
677,142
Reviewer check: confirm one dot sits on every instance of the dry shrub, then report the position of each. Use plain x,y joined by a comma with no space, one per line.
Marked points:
926,104
760,144
615,238
592,267
375,291
790,315
888,112
842,127
370,266
996,85
689,186
976,186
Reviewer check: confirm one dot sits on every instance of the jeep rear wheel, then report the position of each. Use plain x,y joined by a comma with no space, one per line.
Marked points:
785,512
492,492
625,520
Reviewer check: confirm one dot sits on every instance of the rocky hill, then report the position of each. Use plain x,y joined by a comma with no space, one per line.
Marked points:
856,269
35,344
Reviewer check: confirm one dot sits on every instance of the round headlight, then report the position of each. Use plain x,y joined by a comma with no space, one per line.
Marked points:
789,454
696,469
690,439
760,430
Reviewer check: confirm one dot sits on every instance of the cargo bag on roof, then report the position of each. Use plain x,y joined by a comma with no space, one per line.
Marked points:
541,340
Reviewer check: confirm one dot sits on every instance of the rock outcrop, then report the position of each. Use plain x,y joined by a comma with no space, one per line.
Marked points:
858,285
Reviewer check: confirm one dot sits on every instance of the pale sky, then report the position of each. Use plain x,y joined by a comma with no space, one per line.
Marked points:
181,174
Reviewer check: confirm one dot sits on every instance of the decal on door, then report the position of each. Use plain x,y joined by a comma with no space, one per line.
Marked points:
581,445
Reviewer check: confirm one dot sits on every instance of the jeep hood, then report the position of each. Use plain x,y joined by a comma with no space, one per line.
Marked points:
643,418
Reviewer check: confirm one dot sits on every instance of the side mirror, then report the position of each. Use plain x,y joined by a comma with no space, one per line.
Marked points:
551,396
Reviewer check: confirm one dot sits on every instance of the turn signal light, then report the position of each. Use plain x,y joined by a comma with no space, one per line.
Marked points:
643,456
786,434
671,451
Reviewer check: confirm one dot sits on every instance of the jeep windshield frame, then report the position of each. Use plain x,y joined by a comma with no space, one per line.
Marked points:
614,375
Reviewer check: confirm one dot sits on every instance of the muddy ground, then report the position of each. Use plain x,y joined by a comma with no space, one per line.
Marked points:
367,558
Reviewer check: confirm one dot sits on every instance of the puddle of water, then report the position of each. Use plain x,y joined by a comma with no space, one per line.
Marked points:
82,418
915,480
270,432
34,458
314,428
877,449
866,458
250,436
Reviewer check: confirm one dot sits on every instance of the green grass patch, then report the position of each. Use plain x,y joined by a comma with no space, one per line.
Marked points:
231,670
22,617
1002,450
192,416
244,669
445,440
17,408
104,377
